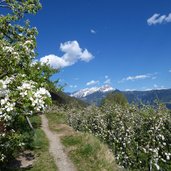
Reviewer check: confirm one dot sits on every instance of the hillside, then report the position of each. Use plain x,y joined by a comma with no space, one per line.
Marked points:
149,96
62,98
93,95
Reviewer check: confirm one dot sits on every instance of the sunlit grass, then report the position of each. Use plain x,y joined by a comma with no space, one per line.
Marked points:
85,150
88,153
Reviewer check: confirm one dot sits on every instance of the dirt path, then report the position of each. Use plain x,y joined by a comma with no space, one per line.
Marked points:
56,148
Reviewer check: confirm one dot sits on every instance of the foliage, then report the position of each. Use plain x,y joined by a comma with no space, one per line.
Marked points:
115,98
23,82
139,137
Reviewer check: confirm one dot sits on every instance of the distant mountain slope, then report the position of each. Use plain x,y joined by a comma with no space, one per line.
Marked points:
94,96
63,98
149,96
88,91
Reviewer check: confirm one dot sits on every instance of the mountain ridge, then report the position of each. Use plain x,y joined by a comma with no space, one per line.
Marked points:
95,95
88,91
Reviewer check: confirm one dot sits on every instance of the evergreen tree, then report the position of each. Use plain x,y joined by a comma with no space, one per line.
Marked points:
115,98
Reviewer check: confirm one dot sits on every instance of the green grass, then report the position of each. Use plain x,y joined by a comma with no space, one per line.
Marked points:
71,140
88,153
85,150
43,160
56,118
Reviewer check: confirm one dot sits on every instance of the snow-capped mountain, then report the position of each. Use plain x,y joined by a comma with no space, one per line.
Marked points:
95,95
88,91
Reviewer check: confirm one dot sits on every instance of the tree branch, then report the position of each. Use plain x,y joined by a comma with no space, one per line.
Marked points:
29,123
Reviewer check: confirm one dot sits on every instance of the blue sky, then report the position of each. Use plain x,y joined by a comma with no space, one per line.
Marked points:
123,43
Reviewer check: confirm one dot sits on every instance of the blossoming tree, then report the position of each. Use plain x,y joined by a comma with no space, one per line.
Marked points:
140,136
23,83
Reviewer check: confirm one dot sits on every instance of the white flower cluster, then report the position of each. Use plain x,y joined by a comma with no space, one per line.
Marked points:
28,93
38,99
168,156
36,96
2,157
14,54
28,46
6,105
8,49
28,42
26,87
4,83
6,108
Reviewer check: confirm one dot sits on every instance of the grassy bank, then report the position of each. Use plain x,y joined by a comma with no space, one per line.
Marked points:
85,150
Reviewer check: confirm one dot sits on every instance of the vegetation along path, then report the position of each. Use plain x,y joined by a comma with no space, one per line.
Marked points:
56,148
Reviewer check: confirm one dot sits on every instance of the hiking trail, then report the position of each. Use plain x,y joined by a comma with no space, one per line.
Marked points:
56,149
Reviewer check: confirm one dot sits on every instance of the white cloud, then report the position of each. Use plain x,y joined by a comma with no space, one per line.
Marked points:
170,70
148,89
106,76
93,31
73,86
54,61
153,78
72,54
130,89
76,78
168,18
108,81
159,19
86,56
92,82
155,87
139,77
